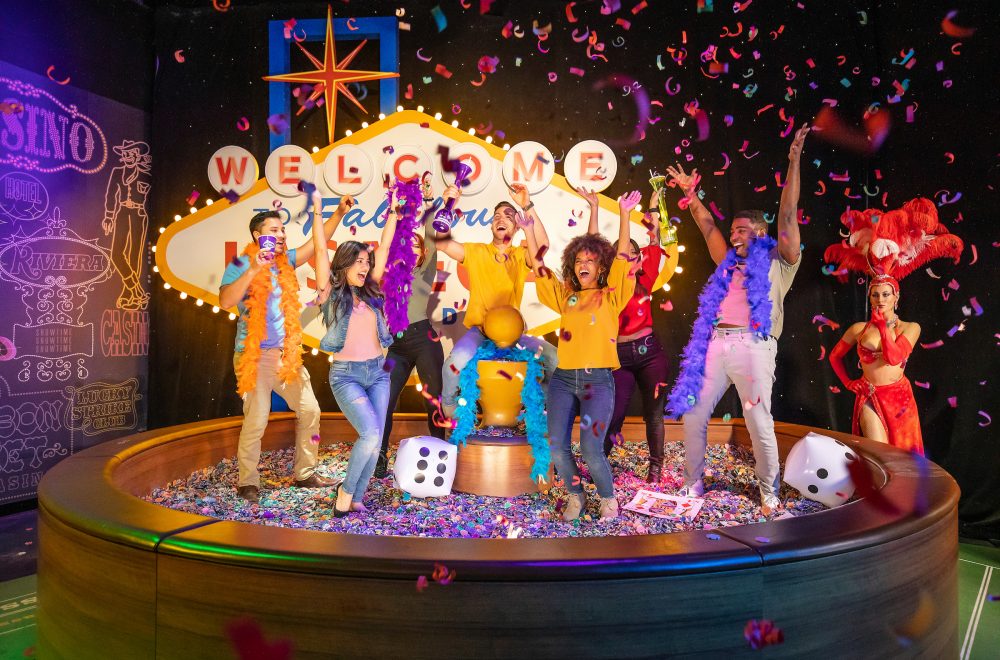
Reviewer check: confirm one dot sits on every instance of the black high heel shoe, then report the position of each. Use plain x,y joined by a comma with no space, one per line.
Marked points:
337,513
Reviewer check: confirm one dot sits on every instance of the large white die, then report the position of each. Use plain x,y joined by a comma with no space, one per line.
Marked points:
425,466
817,467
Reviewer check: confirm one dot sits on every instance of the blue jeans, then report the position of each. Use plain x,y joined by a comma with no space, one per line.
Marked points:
362,393
593,395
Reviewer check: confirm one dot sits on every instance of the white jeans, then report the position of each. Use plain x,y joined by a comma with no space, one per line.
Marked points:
743,360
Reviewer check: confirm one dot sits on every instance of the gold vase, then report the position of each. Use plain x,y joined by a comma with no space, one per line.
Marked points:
500,386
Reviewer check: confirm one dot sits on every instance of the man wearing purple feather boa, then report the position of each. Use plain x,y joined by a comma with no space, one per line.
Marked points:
735,337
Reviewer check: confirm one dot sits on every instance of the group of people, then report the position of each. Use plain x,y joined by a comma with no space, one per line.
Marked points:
606,346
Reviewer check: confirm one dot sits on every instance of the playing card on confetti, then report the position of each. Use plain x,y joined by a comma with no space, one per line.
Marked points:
659,505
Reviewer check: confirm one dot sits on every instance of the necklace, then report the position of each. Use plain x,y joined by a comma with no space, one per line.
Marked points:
892,323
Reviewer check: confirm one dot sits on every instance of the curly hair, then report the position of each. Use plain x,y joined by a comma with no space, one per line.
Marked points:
594,243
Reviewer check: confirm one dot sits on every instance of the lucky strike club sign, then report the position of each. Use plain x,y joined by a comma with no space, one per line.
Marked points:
193,252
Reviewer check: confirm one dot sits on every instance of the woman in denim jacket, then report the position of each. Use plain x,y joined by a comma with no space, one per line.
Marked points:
352,302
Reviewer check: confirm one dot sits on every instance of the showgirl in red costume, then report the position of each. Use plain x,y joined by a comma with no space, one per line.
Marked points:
888,246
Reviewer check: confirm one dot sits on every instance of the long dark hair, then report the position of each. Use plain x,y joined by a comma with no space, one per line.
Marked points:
594,243
341,294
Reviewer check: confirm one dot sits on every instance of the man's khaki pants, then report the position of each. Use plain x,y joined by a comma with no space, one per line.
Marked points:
257,408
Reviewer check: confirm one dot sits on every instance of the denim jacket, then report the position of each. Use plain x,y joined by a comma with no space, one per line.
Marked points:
336,333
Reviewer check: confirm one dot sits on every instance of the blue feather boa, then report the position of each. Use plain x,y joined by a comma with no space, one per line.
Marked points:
532,396
684,396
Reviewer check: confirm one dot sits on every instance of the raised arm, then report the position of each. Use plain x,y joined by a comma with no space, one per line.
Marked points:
688,184
789,240
445,242
388,236
232,293
625,205
318,247
519,194
591,197
653,216
306,251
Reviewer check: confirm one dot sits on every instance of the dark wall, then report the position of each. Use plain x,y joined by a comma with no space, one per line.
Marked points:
198,103
75,84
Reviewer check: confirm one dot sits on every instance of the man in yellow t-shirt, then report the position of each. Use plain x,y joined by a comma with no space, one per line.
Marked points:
497,271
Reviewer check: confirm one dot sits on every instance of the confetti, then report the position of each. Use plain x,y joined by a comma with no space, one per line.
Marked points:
48,72
439,18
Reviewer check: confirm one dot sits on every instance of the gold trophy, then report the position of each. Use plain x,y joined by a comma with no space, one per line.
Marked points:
499,465
668,232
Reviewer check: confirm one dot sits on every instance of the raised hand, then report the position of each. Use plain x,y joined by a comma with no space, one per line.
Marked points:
589,195
682,179
627,202
519,193
795,151
878,319
346,202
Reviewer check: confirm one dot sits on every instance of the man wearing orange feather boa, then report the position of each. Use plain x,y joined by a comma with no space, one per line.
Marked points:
262,284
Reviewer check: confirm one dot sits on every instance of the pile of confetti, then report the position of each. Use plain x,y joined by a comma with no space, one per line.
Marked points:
731,499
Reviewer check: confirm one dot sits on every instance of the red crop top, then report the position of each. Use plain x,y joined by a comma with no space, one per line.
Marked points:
637,313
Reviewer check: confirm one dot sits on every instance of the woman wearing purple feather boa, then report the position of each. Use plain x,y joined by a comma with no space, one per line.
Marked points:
735,337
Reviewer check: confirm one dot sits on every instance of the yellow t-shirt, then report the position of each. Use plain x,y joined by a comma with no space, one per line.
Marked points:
589,333
495,279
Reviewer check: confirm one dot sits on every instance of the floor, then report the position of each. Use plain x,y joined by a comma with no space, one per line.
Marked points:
978,592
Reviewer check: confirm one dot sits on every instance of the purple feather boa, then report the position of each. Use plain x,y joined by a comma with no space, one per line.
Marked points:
398,278
686,390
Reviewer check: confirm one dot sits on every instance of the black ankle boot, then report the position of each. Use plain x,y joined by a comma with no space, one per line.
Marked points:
381,466
655,471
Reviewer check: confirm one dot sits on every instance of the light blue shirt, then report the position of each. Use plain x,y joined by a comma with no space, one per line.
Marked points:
275,320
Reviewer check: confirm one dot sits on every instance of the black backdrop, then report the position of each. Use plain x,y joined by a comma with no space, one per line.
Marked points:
197,103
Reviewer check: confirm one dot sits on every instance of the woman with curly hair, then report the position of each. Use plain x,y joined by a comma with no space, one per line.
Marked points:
596,285
640,353
888,246
353,311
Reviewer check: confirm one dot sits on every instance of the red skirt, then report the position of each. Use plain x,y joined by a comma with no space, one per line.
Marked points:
897,409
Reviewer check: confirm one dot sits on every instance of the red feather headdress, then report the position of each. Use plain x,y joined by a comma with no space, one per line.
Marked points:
889,245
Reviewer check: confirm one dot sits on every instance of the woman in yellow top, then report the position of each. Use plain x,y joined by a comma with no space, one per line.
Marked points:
596,285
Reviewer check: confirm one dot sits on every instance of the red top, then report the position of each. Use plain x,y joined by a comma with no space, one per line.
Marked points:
637,313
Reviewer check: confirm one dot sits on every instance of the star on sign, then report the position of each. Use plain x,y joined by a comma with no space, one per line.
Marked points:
330,76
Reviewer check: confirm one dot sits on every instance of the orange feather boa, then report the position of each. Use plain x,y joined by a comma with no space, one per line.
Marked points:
256,303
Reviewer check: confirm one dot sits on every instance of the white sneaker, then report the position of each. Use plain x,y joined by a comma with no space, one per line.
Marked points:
769,504
575,504
697,489
609,508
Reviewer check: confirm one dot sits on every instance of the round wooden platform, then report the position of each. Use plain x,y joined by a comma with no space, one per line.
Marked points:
119,577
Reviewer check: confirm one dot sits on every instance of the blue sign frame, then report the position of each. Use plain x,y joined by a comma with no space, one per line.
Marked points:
381,28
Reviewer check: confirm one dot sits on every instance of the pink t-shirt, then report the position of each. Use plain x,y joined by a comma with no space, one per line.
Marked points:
361,342
735,308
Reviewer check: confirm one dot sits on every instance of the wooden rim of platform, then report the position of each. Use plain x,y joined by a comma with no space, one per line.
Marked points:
95,492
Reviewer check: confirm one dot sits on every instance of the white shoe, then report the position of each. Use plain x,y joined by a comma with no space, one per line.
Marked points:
609,508
697,489
575,504
769,504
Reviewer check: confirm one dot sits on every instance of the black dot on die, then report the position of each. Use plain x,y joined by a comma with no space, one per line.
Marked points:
425,452
840,443
443,455
442,468
421,464
850,456
812,489
419,478
438,481
822,473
